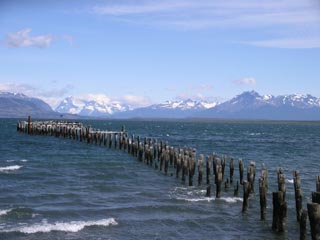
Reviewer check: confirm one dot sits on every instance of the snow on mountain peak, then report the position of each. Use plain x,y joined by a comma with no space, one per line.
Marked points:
90,105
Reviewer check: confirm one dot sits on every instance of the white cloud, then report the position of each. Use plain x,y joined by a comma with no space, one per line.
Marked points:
246,81
288,43
134,100
52,97
23,39
283,19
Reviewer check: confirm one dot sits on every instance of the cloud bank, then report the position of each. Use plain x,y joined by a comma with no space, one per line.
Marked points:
283,24
22,38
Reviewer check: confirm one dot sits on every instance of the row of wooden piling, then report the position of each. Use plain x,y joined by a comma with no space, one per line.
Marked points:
183,164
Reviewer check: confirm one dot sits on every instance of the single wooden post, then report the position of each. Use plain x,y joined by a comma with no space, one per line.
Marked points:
218,181
215,163
279,211
208,169
298,194
178,168
185,168
226,184
241,167
223,165
303,224
208,194
251,176
314,219
281,182
246,192
166,160
263,198
192,167
236,189
318,184
200,169
231,170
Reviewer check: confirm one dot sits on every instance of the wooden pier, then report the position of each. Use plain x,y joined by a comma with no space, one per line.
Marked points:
184,165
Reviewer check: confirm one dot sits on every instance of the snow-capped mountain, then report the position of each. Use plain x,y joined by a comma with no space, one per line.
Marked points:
252,105
91,105
185,105
169,109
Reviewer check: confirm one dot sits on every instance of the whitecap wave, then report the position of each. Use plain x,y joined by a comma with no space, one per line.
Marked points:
24,160
232,199
191,194
10,160
207,199
5,211
289,180
73,226
10,168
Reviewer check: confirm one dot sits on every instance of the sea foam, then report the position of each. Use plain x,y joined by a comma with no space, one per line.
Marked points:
289,180
10,168
5,211
73,226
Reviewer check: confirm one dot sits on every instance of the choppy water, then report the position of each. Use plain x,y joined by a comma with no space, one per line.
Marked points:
53,188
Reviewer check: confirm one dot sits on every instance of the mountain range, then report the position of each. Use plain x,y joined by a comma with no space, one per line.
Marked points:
247,105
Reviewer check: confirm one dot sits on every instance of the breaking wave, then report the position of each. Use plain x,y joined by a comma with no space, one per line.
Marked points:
73,226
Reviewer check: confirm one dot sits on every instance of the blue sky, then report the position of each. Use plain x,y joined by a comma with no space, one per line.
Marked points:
143,52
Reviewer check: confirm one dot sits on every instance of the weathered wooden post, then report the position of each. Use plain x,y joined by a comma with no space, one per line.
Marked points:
215,163
314,212
185,168
298,194
218,181
208,169
303,224
263,189
223,165
318,183
208,193
192,168
231,170
246,192
166,160
279,211
314,219
241,167
236,189
251,176
178,168
263,198
200,169
281,182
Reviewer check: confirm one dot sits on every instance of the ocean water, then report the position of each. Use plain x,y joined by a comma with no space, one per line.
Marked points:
55,188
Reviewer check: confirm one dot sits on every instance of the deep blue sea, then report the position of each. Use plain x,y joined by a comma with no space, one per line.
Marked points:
56,188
